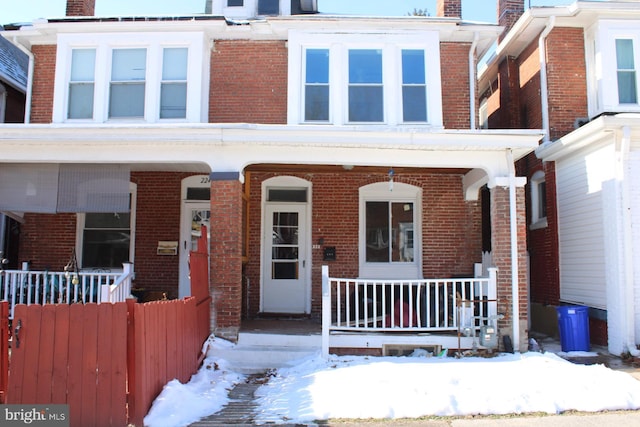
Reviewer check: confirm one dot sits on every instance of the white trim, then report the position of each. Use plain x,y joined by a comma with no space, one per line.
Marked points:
537,221
293,182
197,73
3,102
391,44
380,191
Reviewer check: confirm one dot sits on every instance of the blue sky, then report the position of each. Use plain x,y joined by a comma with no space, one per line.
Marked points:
27,10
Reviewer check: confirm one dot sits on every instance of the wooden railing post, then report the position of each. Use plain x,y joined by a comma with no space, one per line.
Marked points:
326,310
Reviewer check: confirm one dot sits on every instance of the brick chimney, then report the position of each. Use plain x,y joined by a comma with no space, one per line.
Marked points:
508,13
449,8
81,7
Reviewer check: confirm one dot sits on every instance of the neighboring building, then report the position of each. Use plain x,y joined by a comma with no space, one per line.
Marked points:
573,71
300,140
13,87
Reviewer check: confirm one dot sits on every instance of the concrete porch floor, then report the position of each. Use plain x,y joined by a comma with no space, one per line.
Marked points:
281,326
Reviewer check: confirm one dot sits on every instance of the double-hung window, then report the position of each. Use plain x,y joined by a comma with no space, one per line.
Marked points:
626,72
82,84
149,78
316,90
173,89
414,86
538,201
366,97
357,79
127,91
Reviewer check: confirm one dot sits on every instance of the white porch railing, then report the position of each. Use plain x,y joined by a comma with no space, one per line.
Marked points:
48,287
417,306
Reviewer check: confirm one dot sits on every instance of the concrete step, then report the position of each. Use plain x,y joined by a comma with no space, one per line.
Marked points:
260,352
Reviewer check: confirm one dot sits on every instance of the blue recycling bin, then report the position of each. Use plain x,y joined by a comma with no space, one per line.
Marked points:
573,323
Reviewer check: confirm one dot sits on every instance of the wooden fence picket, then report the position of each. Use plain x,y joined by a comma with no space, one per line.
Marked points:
4,350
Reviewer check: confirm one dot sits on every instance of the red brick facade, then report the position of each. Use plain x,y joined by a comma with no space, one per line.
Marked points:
449,8
454,64
43,78
248,82
81,7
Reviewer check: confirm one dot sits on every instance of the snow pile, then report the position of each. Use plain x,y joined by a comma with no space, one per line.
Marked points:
402,387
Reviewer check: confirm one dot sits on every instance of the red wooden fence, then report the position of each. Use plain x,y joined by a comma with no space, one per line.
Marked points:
199,274
108,362
4,349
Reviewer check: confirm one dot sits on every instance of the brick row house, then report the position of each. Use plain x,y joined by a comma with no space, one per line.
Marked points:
300,139
572,71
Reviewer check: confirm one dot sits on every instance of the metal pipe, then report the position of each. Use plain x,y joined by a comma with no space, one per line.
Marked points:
544,95
472,81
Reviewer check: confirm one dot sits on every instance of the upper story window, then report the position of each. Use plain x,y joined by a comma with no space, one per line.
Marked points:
268,7
235,3
627,80
149,78
82,83
128,74
357,79
613,54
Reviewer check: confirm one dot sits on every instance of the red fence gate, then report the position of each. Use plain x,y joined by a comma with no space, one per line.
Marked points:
4,350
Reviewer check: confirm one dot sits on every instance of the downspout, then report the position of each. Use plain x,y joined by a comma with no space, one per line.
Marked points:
544,95
472,80
513,225
628,273
27,105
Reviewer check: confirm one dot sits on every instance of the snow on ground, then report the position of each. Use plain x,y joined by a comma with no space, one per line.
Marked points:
404,387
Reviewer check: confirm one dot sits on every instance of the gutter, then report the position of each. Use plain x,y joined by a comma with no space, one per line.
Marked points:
472,80
544,94
27,106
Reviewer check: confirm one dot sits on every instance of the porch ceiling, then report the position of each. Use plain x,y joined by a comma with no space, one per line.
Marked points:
272,167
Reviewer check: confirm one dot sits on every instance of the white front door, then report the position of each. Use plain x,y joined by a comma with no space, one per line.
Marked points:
194,216
285,286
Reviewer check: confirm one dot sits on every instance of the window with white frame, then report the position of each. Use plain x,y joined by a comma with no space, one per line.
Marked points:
105,240
626,72
235,3
150,77
82,84
390,231
538,200
128,74
356,79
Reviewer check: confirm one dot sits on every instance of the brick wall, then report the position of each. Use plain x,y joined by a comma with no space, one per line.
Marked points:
451,229
248,82
566,79
501,249
81,7
226,257
44,75
454,65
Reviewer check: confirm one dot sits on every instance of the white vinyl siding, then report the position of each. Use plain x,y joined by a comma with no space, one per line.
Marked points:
634,190
581,230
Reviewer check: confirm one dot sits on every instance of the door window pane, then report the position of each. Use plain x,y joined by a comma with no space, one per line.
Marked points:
128,73
284,249
414,88
365,86
627,90
317,85
81,84
377,226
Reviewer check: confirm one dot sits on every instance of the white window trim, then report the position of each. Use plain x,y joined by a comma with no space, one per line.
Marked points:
401,193
197,73
339,45
3,102
537,222
600,49
133,188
